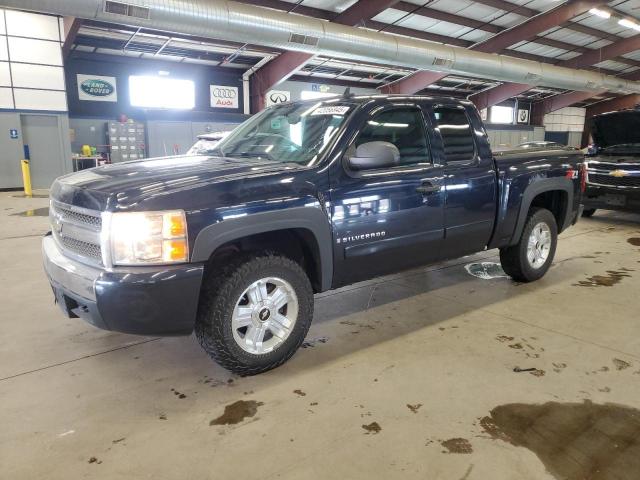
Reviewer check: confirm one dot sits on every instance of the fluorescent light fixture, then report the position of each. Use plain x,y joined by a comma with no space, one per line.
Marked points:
600,13
629,24
161,92
501,114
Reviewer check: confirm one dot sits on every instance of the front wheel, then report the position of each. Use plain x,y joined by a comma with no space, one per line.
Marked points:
530,259
255,314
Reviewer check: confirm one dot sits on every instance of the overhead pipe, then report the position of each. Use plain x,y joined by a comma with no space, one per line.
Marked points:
228,20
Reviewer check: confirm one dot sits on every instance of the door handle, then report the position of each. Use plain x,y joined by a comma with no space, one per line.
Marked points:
428,188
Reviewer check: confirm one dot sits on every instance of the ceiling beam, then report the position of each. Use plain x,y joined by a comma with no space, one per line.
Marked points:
609,52
71,28
620,103
509,7
507,90
528,30
522,32
551,104
286,64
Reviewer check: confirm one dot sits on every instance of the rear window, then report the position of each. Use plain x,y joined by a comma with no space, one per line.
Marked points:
457,134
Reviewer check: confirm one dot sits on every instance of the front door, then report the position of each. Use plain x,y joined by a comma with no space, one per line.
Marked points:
387,219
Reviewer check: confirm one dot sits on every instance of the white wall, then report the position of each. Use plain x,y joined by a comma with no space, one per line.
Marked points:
31,68
503,138
569,119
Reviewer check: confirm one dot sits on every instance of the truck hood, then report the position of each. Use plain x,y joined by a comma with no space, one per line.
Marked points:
616,128
132,182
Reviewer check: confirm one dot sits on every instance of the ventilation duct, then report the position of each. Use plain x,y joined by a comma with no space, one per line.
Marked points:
227,20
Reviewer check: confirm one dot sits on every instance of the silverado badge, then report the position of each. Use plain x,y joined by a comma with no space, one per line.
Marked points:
618,173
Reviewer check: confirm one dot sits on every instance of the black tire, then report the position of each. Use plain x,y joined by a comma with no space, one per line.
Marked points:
514,259
218,299
588,212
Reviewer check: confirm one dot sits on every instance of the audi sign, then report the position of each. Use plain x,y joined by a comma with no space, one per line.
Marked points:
223,96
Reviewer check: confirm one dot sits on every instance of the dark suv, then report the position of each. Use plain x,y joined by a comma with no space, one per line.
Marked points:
613,178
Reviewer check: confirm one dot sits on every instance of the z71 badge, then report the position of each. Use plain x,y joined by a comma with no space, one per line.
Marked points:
363,236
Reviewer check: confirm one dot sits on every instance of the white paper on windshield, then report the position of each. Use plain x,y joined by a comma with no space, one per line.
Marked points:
335,110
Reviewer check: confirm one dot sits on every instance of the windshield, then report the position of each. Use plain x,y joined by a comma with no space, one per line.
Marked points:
297,132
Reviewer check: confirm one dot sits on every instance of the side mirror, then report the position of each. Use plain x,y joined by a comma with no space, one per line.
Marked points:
372,155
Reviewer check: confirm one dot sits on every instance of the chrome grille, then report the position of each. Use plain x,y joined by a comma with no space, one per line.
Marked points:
85,249
609,180
77,231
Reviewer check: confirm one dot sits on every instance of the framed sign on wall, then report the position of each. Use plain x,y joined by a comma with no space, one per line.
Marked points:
223,96
97,88
523,116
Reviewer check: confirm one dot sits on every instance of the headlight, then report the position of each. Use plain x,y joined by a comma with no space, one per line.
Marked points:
148,238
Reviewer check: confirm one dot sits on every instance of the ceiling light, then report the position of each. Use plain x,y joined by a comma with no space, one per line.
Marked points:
629,24
600,13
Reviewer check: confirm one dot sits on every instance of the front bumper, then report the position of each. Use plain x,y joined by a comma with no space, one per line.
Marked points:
160,300
612,198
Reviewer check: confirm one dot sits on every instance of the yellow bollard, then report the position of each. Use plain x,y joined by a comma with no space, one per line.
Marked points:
26,178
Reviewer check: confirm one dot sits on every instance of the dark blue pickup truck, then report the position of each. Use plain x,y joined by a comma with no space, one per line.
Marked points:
302,198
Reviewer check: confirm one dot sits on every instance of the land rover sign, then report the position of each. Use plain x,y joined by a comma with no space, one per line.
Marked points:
97,88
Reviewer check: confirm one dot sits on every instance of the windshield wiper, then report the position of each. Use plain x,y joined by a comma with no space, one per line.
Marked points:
252,155
621,146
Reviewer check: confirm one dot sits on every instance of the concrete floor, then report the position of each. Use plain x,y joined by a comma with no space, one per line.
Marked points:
405,376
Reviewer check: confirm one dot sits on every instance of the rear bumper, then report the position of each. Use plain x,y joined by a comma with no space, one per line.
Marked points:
607,198
159,300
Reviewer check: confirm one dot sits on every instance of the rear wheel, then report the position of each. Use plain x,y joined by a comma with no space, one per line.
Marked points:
255,315
588,212
530,259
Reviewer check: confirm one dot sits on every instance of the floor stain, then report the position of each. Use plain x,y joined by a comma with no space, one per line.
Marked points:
178,394
635,241
95,460
504,338
604,390
612,278
538,373
236,412
575,441
414,408
516,346
162,416
373,428
34,195
486,270
621,364
118,440
300,393
457,445
34,212
313,342
467,473
558,367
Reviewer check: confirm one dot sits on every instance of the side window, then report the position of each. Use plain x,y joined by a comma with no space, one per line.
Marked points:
404,127
456,133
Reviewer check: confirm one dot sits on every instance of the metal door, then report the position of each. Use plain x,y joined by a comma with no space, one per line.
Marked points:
41,133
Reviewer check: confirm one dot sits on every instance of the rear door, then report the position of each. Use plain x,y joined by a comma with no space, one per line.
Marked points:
470,180
388,219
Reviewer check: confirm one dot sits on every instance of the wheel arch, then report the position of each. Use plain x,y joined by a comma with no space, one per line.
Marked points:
554,194
283,230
